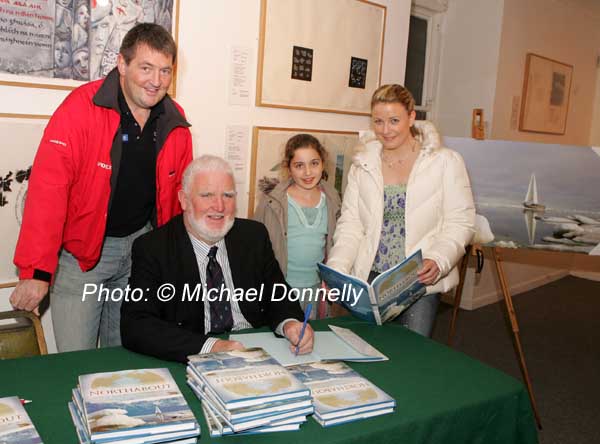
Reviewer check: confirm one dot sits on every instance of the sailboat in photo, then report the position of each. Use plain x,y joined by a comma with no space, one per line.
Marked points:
530,224
159,414
531,198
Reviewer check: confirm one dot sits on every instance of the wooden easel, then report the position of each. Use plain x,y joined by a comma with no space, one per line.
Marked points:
511,314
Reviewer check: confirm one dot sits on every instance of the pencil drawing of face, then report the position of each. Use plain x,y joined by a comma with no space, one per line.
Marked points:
62,53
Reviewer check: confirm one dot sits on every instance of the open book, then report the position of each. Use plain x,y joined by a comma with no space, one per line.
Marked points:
390,293
340,344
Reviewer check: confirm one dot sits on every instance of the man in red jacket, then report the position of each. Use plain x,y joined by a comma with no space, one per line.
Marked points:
108,168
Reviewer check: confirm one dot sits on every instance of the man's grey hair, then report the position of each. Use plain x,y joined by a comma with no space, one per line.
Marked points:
204,163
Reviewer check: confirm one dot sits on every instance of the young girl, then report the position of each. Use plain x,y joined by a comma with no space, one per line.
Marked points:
300,214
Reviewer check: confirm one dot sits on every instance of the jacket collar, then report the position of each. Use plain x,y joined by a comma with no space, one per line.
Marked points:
233,241
107,95
279,193
187,257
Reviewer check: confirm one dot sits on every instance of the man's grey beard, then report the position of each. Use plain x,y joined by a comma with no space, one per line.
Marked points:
212,236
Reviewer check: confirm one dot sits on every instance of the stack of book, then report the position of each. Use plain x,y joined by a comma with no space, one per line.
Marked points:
132,407
15,425
340,394
247,392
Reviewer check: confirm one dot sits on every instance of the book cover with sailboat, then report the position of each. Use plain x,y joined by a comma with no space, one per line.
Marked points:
132,402
242,378
245,425
390,293
177,437
239,415
340,394
15,425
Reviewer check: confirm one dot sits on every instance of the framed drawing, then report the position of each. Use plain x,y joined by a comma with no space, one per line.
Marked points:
320,55
67,42
546,92
22,134
268,145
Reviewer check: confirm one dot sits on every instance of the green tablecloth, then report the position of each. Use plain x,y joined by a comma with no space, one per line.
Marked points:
442,396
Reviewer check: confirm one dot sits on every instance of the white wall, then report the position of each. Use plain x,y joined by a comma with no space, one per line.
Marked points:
468,64
562,30
203,72
207,31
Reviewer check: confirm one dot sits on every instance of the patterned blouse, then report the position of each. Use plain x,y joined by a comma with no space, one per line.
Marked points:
391,243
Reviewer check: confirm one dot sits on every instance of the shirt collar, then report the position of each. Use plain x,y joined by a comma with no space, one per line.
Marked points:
201,248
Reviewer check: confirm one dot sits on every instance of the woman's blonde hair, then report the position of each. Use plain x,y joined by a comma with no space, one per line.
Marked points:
394,93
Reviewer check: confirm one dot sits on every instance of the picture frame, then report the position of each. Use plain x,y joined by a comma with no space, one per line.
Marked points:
22,132
546,93
311,56
36,59
268,145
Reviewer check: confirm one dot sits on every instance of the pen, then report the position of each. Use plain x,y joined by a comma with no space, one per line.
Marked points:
25,401
306,316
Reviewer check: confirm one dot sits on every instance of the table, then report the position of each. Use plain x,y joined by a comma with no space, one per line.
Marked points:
442,396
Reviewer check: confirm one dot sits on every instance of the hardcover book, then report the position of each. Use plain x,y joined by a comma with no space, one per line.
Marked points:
340,392
245,424
15,425
132,403
182,437
248,413
243,378
218,427
390,293
351,418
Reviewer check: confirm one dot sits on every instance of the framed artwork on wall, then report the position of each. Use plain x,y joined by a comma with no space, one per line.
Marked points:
546,92
22,133
268,144
320,55
66,42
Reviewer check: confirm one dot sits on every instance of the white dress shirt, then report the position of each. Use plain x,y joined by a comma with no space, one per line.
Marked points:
201,250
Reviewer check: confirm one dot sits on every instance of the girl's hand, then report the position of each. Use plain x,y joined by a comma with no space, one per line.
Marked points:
428,272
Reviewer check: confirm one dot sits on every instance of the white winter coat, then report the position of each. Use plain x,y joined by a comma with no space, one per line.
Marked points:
440,214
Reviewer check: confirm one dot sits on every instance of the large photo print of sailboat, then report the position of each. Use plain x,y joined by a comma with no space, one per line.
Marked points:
535,195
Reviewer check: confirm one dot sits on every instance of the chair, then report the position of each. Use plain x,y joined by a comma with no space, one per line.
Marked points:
22,338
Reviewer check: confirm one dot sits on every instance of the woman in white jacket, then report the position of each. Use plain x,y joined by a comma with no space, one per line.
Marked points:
405,192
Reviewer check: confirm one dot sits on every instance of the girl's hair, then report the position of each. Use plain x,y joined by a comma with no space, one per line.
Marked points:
395,94
303,141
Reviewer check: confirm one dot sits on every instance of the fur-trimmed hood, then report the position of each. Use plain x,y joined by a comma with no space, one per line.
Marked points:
369,148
